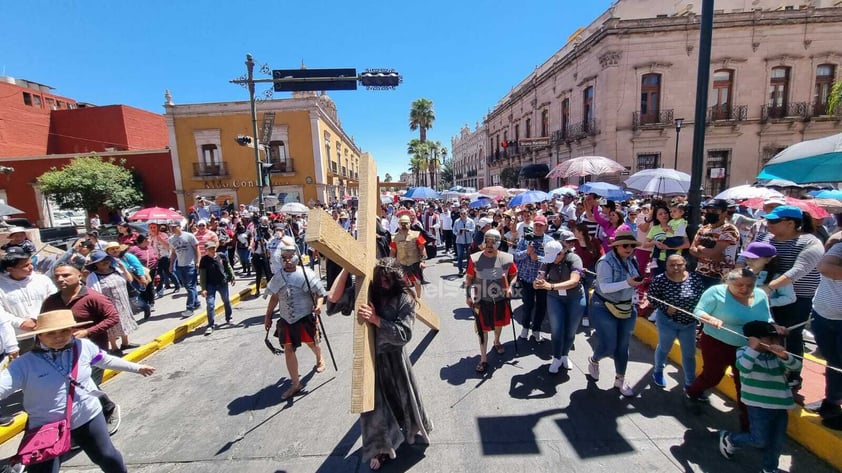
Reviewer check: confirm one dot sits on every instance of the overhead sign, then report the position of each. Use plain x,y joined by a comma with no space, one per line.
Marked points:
295,80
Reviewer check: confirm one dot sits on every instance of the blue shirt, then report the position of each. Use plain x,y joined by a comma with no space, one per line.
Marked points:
719,303
526,266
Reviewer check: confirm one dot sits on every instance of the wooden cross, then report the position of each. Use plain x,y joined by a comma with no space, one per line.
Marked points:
359,258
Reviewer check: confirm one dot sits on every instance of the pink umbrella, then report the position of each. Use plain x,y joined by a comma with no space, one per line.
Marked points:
585,166
494,191
805,205
155,213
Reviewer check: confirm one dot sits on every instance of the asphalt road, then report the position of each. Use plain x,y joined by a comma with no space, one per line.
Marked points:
214,406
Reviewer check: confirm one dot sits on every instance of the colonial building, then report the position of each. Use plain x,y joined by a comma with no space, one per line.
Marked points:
469,157
621,86
312,157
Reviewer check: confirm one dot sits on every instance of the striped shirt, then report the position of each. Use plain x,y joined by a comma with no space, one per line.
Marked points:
829,294
797,259
763,378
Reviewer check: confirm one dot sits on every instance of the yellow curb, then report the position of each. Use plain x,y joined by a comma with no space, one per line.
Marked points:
804,427
138,354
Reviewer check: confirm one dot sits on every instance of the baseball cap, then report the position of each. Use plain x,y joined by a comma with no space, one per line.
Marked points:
15,253
759,249
201,222
720,204
563,235
483,222
759,329
540,219
784,211
210,244
551,250
775,201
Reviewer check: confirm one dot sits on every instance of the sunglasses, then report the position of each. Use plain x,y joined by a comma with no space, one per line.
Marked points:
626,245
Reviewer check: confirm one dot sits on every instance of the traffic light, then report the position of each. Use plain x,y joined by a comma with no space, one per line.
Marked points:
508,144
380,79
245,140
504,144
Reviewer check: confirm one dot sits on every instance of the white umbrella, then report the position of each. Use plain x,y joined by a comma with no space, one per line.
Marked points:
563,191
585,166
659,181
294,208
747,191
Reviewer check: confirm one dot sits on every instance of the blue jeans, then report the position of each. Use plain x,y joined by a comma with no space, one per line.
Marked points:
461,253
587,284
187,276
828,335
565,313
612,335
245,259
768,432
668,331
222,289
534,306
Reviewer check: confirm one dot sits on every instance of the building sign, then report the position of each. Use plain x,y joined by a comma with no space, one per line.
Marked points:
717,173
235,184
533,142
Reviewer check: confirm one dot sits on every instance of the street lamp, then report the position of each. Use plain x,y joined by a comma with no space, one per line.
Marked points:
678,123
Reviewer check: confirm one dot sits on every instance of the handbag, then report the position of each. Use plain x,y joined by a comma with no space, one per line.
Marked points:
620,310
50,440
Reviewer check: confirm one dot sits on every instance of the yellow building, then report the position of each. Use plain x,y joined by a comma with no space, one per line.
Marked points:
313,158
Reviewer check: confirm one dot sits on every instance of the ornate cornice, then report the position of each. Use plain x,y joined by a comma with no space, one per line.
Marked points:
610,59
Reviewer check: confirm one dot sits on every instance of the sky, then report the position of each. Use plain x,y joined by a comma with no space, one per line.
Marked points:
463,55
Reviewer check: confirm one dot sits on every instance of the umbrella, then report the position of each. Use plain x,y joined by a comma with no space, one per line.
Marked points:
529,197
563,191
294,208
6,209
458,189
827,194
747,191
785,184
585,166
494,191
481,202
156,214
659,181
450,194
807,205
833,206
514,192
604,189
806,162
420,193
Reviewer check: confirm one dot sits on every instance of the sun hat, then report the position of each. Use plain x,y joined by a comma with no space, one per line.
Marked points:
784,211
624,237
210,244
14,230
52,321
551,250
759,249
111,244
96,257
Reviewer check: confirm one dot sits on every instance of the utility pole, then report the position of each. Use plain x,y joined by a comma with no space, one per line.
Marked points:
702,84
253,106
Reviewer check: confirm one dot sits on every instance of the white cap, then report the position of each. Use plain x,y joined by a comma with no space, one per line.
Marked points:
483,222
551,250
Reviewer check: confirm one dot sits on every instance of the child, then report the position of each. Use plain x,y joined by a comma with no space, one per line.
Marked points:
215,273
18,238
676,229
762,366
760,259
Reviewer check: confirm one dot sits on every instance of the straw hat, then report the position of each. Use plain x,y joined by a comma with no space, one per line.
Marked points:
52,321
624,237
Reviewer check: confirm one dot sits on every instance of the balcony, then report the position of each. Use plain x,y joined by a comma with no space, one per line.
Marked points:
819,110
282,167
334,168
202,170
790,111
732,113
471,173
559,136
580,130
657,119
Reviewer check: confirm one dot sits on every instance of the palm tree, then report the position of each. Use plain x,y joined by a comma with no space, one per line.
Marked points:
419,152
421,117
446,172
418,166
437,154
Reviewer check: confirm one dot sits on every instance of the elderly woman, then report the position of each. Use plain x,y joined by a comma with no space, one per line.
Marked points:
43,373
612,313
724,309
798,250
109,276
673,294
398,413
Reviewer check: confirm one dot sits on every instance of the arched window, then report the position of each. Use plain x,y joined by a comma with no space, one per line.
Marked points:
825,75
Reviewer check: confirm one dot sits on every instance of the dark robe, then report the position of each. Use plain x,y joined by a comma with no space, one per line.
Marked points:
398,413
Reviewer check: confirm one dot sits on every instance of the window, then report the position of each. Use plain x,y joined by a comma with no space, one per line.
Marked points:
545,123
51,103
27,98
36,100
825,74
648,161
587,108
778,92
59,104
278,155
565,117
650,98
210,155
529,128
722,89
517,132
716,177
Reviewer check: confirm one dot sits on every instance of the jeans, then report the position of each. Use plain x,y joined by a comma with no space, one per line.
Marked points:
587,285
166,275
768,432
793,314
716,357
828,335
612,335
448,239
245,259
461,253
534,306
222,289
93,438
668,331
187,275
261,269
565,313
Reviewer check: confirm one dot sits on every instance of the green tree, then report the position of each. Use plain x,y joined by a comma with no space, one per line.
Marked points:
419,159
835,98
509,177
436,154
421,117
446,172
89,182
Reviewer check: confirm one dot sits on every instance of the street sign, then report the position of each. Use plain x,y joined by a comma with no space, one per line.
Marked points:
266,130
294,80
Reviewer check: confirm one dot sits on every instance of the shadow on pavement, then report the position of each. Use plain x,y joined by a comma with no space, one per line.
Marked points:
537,384
422,346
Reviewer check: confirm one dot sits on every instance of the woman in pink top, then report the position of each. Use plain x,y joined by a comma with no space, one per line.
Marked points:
607,226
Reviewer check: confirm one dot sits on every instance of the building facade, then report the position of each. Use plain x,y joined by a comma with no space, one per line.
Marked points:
618,86
313,159
469,157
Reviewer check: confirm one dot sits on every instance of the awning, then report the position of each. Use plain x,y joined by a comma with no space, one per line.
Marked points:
534,171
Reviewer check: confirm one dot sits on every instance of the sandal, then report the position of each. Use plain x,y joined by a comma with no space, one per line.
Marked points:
378,461
289,393
500,348
482,367
320,366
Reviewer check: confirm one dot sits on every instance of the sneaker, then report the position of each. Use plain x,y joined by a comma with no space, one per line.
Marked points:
113,420
625,389
593,369
228,320
208,330
537,336
725,448
188,313
6,421
565,362
586,322
555,365
651,318
524,334
658,379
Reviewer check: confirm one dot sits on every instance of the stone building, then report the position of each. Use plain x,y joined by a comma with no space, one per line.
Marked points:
621,85
469,157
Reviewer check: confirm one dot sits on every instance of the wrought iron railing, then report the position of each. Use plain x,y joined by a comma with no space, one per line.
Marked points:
282,166
559,136
734,113
210,170
660,118
797,110
577,131
821,110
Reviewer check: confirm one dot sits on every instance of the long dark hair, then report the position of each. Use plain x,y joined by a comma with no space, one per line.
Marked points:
390,269
807,225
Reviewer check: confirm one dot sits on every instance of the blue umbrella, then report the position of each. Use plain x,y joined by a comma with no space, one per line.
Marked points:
529,197
459,189
827,194
481,202
422,193
604,189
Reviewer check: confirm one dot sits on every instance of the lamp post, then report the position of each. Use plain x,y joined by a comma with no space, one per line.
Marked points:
253,105
678,123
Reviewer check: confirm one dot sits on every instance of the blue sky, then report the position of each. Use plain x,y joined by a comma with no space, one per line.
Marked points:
463,55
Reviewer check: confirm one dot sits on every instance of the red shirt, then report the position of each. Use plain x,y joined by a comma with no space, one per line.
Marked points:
88,306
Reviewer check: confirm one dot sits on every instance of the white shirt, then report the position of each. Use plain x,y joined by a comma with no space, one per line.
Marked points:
446,221
21,300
